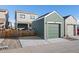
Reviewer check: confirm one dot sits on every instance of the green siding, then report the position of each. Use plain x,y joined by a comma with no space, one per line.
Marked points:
56,18
38,27
53,29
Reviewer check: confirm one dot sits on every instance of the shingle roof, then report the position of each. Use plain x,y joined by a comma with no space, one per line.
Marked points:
44,15
66,16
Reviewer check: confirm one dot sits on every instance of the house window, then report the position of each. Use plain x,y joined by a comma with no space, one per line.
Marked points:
22,16
32,17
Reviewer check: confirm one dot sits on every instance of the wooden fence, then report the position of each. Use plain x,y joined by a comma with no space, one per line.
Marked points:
15,33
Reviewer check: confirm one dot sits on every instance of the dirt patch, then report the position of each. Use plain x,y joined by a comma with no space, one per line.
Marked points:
70,38
11,43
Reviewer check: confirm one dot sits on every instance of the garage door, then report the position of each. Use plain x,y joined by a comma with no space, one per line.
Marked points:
70,30
53,31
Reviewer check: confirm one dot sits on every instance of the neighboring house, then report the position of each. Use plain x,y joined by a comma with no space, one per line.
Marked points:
70,26
50,25
3,19
24,19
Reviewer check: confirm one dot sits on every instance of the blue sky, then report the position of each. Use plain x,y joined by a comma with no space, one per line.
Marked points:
42,9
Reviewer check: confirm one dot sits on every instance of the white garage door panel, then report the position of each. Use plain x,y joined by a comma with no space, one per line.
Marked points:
70,30
53,30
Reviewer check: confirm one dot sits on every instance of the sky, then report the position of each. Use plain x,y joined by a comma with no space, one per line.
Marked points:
63,10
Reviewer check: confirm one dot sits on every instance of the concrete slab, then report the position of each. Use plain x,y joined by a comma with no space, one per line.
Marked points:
31,42
57,47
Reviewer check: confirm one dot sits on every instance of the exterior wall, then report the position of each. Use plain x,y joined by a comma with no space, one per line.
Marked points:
4,19
2,15
24,18
70,21
38,27
55,17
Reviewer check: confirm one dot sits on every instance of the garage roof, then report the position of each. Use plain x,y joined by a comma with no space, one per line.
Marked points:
44,15
66,16
49,14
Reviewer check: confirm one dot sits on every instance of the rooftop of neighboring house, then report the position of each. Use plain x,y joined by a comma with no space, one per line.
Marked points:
3,11
66,16
27,12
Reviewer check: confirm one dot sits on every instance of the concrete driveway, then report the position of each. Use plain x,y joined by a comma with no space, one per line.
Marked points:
35,42
57,45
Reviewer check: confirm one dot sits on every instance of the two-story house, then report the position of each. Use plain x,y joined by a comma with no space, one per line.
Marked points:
24,19
3,19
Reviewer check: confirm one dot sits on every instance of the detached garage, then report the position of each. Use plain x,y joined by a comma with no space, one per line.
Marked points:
70,26
50,25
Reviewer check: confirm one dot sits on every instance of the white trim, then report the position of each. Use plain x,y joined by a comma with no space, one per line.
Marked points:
54,12
40,18
45,30
55,22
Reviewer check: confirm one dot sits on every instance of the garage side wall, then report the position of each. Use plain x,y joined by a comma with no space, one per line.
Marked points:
56,18
38,27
